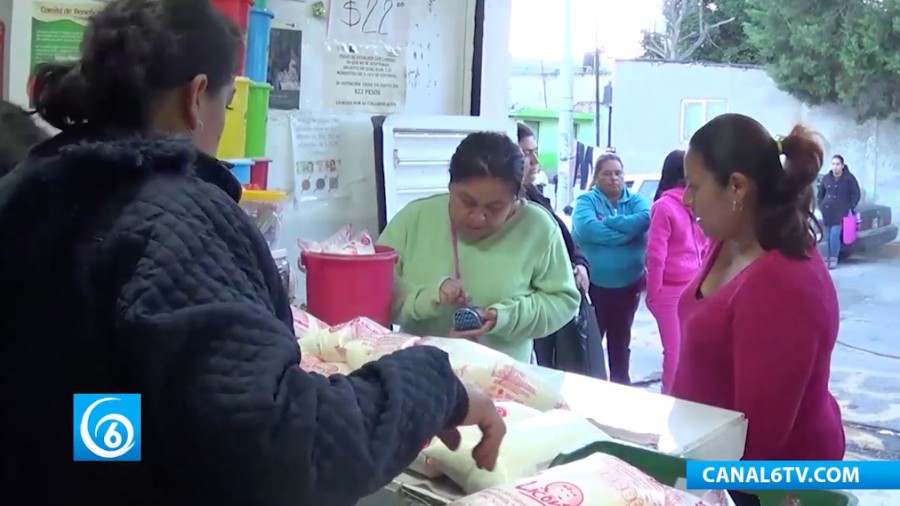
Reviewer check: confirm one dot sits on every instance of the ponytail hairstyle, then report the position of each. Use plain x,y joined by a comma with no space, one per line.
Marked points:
783,172
672,175
132,54
489,154
841,158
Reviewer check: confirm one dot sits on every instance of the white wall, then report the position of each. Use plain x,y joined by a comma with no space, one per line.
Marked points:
439,75
647,119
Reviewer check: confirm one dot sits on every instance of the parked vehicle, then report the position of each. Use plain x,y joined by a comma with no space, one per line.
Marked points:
874,228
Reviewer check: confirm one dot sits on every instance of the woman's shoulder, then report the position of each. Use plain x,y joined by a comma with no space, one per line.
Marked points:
804,282
538,218
425,208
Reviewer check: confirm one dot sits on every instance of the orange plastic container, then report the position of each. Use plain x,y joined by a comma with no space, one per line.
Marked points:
340,288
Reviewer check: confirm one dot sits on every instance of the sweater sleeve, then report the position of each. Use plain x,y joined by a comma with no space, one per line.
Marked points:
633,224
776,343
223,395
551,305
589,229
657,248
412,302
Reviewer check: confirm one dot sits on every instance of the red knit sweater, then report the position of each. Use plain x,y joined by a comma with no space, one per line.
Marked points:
762,345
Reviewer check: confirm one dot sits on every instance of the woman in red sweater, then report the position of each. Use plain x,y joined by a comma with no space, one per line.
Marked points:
760,320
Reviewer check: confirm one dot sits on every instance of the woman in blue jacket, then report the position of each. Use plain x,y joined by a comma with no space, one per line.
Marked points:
610,224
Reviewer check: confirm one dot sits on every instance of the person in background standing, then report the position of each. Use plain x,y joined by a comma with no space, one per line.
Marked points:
837,196
610,225
18,133
760,322
675,249
543,348
482,245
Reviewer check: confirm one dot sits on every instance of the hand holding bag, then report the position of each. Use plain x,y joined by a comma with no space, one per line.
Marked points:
848,228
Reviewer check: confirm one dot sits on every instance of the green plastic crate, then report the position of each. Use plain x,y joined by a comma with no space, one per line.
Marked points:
667,469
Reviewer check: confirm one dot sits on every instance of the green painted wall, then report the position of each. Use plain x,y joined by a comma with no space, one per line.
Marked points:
545,123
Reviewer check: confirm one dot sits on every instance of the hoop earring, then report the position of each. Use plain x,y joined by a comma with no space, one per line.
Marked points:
199,128
736,207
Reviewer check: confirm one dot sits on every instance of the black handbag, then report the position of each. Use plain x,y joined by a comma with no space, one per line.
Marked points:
577,347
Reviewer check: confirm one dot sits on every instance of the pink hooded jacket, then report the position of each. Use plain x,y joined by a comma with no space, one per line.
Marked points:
675,244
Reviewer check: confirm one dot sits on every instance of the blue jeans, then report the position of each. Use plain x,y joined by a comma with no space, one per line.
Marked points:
833,236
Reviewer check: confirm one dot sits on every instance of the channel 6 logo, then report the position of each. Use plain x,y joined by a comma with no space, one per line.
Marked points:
107,427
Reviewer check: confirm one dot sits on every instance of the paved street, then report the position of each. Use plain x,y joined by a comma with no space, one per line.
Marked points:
866,362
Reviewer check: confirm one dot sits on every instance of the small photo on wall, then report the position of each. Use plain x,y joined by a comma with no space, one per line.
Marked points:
285,48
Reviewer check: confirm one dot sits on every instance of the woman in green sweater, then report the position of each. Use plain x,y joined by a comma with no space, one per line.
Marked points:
484,246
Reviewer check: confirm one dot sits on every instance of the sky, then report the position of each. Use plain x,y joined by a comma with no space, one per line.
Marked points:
536,30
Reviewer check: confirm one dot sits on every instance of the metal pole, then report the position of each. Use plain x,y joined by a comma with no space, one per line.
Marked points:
566,148
597,95
597,73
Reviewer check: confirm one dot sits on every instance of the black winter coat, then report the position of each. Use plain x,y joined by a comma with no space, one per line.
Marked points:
836,197
126,266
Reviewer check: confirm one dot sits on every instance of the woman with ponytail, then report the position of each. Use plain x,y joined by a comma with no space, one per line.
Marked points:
760,320
675,249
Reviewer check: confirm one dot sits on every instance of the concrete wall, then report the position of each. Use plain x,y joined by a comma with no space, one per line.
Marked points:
647,119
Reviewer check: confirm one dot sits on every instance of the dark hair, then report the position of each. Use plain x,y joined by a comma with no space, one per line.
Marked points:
605,157
488,154
841,158
18,133
132,53
672,175
734,143
523,131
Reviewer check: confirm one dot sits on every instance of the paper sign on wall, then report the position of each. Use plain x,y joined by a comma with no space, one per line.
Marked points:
369,22
370,81
317,161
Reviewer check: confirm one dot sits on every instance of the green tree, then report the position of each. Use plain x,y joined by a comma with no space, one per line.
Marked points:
687,26
728,43
832,51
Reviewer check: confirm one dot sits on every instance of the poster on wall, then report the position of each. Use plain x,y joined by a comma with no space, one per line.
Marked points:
317,160
369,22
364,80
285,47
56,31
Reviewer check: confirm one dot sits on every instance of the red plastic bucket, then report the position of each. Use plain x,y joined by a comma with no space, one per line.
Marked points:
236,10
259,173
340,288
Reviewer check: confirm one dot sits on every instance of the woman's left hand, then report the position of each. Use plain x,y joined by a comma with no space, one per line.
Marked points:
581,278
490,319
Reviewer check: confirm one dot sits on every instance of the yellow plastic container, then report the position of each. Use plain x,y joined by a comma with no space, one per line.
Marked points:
234,136
265,208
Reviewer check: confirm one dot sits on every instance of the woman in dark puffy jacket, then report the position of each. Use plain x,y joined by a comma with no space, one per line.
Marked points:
136,272
18,133
544,349
837,197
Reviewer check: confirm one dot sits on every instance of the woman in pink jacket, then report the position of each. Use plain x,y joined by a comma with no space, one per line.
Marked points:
675,249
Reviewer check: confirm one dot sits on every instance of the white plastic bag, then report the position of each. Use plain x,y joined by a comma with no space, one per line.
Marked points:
532,441
500,376
363,351
512,413
343,242
598,480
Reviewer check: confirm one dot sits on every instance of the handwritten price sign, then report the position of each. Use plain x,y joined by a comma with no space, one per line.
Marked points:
369,22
